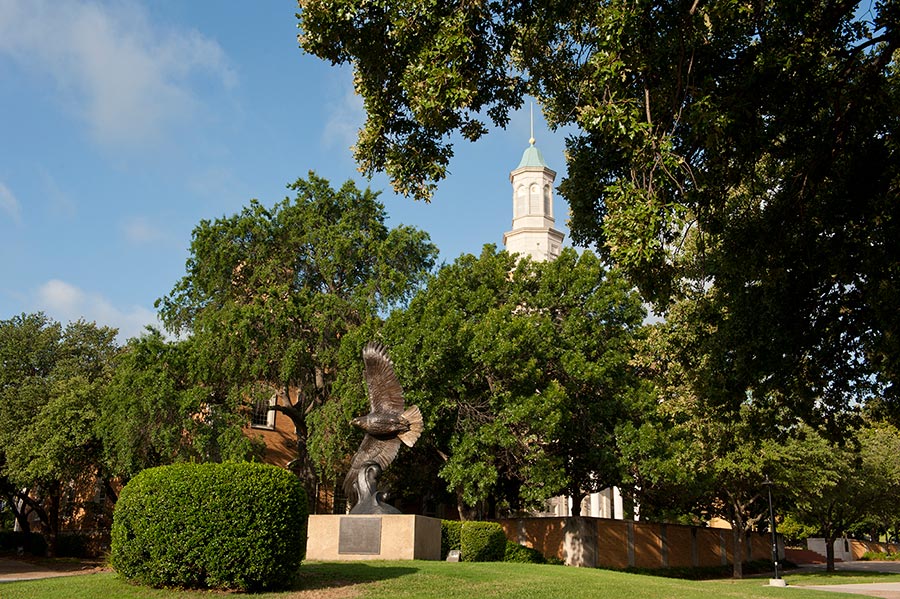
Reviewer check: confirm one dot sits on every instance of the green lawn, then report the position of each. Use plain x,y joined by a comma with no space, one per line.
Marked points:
396,580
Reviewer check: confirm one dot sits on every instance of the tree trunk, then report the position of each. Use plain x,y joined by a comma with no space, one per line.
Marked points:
465,512
737,533
18,509
576,505
53,521
302,466
829,553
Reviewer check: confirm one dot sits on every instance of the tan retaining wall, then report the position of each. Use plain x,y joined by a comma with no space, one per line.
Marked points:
859,548
600,542
850,549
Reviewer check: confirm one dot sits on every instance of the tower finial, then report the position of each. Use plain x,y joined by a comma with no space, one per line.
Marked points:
531,141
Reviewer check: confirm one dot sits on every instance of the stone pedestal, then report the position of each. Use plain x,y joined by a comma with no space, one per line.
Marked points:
373,537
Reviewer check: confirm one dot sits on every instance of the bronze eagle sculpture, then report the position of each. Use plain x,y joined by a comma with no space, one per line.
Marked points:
387,425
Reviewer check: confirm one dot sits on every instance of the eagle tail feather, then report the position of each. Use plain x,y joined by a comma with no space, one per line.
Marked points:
414,417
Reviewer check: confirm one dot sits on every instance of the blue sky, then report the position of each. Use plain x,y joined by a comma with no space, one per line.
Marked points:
124,123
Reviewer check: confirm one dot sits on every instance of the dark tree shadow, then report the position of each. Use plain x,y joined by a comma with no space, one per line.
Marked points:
330,575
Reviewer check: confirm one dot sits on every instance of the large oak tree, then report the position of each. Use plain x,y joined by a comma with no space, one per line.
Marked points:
52,383
744,150
523,373
272,294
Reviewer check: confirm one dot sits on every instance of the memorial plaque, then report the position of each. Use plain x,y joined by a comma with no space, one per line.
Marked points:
361,536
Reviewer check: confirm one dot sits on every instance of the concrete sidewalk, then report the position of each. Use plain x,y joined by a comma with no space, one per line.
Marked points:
883,590
15,569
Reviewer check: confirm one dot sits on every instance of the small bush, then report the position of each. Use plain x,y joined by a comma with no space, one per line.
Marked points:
482,542
225,526
450,530
522,554
879,556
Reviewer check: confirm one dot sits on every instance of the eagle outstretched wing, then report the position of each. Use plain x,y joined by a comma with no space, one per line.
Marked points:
385,393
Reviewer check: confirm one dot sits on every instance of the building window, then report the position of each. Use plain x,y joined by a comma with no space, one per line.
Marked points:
547,203
534,199
263,417
521,200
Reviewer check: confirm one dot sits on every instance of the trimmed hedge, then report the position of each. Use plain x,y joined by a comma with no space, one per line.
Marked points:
450,530
237,526
482,542
522,554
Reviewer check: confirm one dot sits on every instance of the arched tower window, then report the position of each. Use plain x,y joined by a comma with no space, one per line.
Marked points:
534,199
521,201
548,209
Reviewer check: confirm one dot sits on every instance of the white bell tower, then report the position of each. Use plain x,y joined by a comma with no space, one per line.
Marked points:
532,231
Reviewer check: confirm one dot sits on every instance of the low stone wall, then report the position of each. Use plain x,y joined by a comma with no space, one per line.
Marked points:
848,550
619,544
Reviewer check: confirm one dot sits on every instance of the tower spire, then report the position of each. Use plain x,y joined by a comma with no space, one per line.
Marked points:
532,231
531,139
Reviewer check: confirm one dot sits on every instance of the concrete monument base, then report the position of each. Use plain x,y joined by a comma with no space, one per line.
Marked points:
371,537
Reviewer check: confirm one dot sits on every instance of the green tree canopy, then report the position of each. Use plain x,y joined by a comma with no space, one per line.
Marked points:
522,373
154,412
52,380
271,294
832,488
745,149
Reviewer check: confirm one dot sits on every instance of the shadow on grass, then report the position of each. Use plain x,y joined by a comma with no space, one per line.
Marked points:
754,569
839,574
319,576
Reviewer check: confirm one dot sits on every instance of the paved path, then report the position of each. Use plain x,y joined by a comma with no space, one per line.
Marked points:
883,590
14,569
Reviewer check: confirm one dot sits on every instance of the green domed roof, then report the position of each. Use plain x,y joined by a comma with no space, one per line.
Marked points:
532,157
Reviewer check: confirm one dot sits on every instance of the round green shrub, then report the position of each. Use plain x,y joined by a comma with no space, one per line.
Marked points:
522,554
238,526
449,536
482,542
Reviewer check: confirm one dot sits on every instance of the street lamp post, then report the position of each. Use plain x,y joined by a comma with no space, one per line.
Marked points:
777,578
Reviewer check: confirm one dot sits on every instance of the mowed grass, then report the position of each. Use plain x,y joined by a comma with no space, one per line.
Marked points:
419,579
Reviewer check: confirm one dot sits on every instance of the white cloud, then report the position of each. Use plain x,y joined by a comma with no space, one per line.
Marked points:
346,117
126,77
10,205
66,303
59,203
140,231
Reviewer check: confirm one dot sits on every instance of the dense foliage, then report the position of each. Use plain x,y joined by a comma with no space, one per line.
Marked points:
52,380
156,411
522,371
223,526
830,489
745,153
277,300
